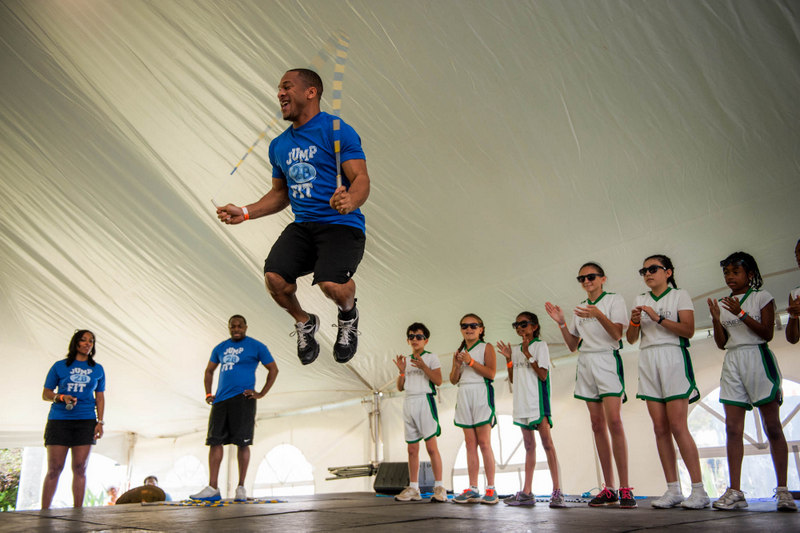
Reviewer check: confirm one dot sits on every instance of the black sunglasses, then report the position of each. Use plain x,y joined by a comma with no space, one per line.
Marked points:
652,269
521,324
416,336
590,277
471,325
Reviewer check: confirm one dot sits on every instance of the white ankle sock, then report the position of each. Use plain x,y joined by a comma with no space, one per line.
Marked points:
438,484
414,485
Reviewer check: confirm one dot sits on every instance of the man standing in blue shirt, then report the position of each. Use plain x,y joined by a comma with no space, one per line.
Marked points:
327,235
233,407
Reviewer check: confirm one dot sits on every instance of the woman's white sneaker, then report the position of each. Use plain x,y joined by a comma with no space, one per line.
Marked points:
696,500
668,500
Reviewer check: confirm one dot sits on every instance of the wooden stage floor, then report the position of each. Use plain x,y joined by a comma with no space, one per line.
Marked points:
364,512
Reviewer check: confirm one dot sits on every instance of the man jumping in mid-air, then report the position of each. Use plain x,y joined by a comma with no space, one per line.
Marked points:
327,236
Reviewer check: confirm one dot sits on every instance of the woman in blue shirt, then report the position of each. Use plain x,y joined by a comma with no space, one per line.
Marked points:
75,386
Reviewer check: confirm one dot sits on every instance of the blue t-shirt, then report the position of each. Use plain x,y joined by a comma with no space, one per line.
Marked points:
238,360
305,159
79,380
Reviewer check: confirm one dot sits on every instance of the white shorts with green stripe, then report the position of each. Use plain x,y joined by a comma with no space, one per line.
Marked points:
750,377
475,405
666,374
599,374
420,417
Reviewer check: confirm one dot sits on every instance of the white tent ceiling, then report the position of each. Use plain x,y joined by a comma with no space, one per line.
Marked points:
507,141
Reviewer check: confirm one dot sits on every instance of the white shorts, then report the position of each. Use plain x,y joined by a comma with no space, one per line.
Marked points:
599,374
475,405
666,374
750,377
421,418
533,423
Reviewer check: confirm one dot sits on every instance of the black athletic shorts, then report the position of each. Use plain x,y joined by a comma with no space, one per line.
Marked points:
331,251
232,422
69,432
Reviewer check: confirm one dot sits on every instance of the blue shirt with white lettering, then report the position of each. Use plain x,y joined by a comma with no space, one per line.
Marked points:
238,362
79,380
304,157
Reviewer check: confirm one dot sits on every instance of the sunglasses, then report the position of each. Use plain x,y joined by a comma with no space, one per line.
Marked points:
652,269
521,324
416,337
471,325
590,277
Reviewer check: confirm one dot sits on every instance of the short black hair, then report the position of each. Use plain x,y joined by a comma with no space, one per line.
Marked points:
310,78
237,316
419,326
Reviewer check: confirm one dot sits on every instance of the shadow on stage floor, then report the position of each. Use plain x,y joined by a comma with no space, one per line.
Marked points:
365,512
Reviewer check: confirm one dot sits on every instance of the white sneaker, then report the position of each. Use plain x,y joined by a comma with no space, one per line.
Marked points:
668,500
241,494
208,494
785,500
732,499
409,494
698,499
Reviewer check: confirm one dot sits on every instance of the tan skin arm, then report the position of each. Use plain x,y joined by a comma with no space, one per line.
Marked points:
793,325
208,380
486,370
683,327
346,200
541,373
557,315
400,362
100,402
435,376
720,335
272,375
455,371
276,200
765,328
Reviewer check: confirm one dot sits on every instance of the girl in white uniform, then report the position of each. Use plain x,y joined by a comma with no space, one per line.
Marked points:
420,374
665,318
596,331
743,324
474,367
793,325
528,369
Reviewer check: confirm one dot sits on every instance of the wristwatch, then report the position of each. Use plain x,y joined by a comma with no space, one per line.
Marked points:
660,319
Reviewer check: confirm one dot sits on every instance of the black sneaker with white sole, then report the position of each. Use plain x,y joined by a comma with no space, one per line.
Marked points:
346,338
307,345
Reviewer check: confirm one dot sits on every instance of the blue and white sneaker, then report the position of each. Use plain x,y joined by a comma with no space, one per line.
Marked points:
208,494
468,496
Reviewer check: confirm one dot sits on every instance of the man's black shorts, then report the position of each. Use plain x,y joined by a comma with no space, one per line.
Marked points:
331,251
232,422
69,433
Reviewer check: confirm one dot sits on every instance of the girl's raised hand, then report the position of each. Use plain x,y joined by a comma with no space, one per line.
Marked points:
555,312
731,304
649,311
588,311
713,308
504,349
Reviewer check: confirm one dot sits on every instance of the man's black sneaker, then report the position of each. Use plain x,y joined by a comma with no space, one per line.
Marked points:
346,339
307,345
